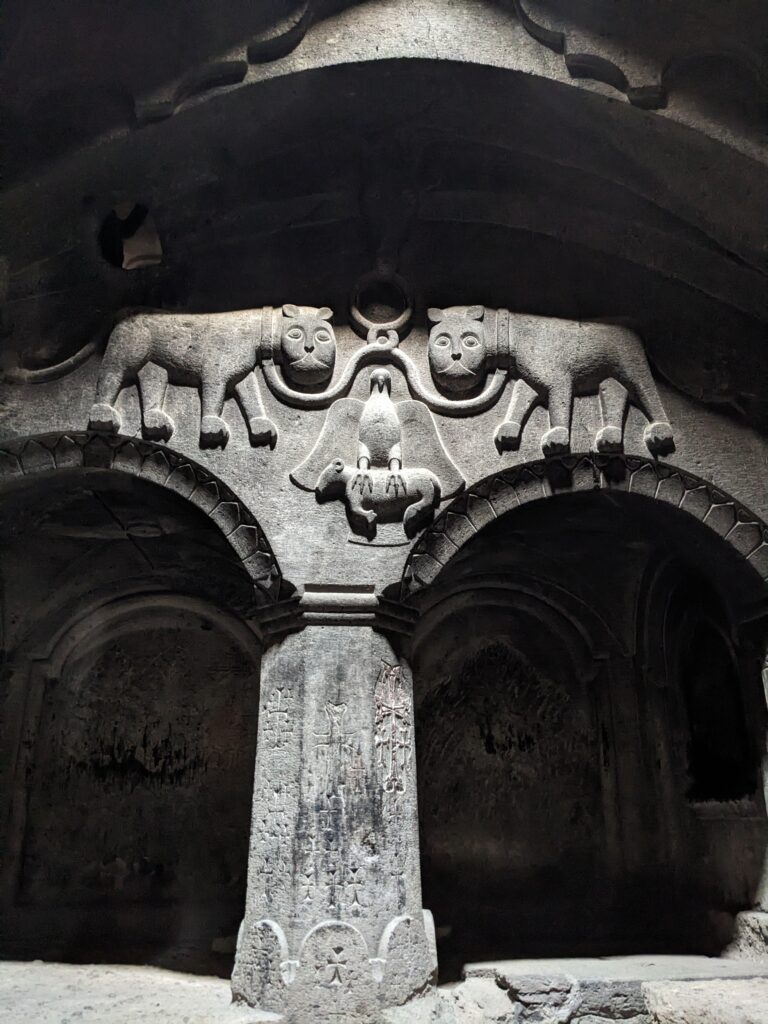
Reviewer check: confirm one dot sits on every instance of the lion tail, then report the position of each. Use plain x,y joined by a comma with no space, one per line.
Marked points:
23,375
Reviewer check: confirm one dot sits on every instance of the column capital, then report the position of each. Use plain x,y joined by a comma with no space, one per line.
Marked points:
317,604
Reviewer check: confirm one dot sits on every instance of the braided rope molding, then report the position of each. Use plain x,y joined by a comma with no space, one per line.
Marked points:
501,492
46,453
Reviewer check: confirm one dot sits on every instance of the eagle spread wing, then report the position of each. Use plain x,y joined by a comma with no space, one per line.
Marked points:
422,446
338,440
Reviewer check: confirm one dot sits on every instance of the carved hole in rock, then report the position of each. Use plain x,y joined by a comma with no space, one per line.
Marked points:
571,695
132,726
128,237
382,301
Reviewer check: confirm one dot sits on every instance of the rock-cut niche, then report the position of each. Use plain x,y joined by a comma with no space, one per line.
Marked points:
135,744
589,728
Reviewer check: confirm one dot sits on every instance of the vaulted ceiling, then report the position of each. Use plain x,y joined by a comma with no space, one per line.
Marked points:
567,159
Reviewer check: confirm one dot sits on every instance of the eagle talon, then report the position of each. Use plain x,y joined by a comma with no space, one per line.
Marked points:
361,481
396,484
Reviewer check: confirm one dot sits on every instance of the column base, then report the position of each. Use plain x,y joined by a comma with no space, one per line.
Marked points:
750,936
334,976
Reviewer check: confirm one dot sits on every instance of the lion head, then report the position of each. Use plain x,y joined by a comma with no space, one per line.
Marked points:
307,345
457,349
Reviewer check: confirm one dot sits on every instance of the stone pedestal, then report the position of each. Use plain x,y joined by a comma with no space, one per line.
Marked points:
334,927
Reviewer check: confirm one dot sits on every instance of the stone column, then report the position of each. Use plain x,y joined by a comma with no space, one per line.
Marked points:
334,928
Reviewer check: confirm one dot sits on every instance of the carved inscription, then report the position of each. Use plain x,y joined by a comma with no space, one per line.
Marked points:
355,773
279,714
394,727
276,823
353,882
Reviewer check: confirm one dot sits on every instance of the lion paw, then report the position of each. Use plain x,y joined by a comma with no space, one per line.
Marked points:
659,438
262,431
214,432
609,439
507,436
105,417
556,441
158,424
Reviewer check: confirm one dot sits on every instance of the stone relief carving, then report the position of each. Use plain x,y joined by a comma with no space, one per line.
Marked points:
600,46
554,360
27,456
457,350
334,977
394,725
360,458
500,492
334,747
261,970
383,459
217,353
405,955
278,726
334,971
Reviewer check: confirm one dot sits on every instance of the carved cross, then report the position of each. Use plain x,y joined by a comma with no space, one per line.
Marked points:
335,745
353,883
278,726
393,728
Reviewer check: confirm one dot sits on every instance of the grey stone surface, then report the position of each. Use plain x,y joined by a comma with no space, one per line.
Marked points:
708,1002
334,918
661,990
334,921
52,993
750,936
64,994
618,969
385,383
432,429
218,356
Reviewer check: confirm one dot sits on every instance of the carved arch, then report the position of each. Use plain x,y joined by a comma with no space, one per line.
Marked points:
49,453
580,635
671,603
42,654
110,616
501,492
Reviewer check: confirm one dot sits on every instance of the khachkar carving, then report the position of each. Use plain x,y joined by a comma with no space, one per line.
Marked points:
217,353
336,977
394,729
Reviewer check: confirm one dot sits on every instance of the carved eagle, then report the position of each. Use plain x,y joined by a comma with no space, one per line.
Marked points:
378,426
